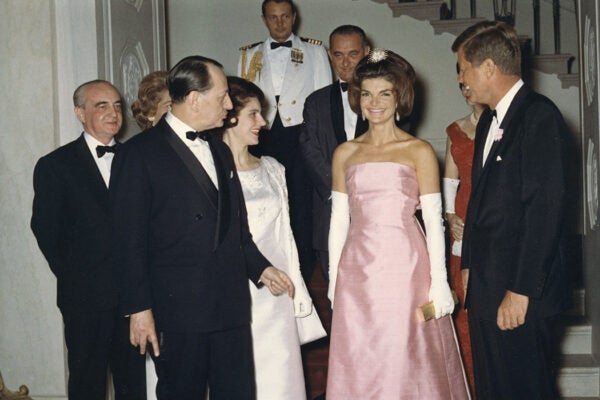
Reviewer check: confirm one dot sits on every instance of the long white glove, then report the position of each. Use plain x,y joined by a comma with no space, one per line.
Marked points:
338,230
439,292
450,187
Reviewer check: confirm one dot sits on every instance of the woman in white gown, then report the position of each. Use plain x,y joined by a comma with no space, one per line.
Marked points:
279,324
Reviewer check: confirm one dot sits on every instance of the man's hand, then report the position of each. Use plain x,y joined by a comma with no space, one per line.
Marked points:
142,331
512,311
277,281
457,226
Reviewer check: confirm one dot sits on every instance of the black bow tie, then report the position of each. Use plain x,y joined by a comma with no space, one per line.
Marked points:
344,86
494,114
192,135
276,45
102,150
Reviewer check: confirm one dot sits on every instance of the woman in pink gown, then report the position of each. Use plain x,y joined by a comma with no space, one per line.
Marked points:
382,268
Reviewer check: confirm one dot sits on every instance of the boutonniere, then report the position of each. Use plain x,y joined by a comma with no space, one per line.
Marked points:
498,135
297,56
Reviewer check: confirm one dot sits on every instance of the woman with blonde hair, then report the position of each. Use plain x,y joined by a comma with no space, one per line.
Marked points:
153,100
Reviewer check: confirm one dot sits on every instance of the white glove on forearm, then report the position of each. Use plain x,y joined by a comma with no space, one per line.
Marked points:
450,187
338,230
439,292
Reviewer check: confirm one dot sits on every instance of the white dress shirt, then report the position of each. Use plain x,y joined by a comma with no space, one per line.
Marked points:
279,59
199,147
501,109
103,163
349,116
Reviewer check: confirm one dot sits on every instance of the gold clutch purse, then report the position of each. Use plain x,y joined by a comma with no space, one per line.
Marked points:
427,310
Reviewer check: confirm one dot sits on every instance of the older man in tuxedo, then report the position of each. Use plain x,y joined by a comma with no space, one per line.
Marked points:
71,223
329,121
182,246
513,246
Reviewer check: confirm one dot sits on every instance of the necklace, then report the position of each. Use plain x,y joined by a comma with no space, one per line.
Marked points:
474,119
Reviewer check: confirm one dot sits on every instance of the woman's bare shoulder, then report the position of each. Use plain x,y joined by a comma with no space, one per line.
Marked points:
345,149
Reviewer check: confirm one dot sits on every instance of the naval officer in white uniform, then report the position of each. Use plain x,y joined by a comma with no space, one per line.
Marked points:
287,68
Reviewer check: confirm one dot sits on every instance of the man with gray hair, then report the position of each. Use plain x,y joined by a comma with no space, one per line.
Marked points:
72,226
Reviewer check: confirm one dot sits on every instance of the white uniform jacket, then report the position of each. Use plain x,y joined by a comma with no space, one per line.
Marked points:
308,70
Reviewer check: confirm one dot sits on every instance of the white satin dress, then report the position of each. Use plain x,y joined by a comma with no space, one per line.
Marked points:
277,358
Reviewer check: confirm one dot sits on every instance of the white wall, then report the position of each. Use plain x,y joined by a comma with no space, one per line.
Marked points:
45,52
218,29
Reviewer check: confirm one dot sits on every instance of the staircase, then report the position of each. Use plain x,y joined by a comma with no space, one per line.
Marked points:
578,376
440,17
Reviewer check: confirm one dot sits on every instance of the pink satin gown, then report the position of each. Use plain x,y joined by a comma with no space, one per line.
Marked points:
379,347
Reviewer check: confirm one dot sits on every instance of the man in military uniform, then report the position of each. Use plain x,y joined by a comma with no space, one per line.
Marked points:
287,68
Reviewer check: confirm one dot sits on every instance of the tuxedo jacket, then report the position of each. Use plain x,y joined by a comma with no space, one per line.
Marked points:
513,234
307,70
322,131
71,224
182,248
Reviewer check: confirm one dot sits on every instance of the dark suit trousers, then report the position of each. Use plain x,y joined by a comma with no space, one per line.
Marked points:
282,144
513,365
96,341
188,361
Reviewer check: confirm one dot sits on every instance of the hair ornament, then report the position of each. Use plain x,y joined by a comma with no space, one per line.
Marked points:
377,55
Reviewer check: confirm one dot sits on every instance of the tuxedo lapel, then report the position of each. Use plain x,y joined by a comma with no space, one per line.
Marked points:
361,126
507,124
224,175
482,130
337,112
90,174
192,164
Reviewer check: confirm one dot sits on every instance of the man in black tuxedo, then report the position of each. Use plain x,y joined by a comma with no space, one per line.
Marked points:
513,246
329,121
71,223
182,246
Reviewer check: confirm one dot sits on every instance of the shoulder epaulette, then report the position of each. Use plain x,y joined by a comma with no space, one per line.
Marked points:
249,46
311,41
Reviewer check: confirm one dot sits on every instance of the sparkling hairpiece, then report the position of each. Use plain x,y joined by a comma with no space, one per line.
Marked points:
377,55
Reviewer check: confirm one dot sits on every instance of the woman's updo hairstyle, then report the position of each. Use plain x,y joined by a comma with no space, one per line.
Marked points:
144,108
386,64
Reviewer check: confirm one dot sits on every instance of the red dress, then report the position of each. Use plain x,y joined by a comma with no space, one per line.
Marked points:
462,149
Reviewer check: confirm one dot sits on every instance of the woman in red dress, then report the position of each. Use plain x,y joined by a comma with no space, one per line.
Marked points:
457,189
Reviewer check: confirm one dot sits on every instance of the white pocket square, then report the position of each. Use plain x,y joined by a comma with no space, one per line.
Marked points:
498,158
230,174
